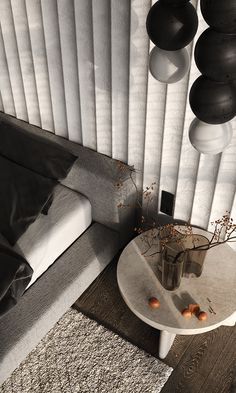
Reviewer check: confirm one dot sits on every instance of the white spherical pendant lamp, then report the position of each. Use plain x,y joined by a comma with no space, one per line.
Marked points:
168,66
209,138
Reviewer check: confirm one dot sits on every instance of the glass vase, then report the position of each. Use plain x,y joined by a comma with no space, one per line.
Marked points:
195,256
172,260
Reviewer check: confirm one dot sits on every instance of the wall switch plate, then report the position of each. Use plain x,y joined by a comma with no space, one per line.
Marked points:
167,203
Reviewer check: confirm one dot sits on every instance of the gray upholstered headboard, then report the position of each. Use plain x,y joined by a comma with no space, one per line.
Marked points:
96,176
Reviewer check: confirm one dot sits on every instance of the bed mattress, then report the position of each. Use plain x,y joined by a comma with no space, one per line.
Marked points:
50,235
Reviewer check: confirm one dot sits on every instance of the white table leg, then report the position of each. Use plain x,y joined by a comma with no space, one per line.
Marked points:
165,343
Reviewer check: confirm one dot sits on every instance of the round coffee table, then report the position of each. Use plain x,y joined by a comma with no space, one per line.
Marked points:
214,291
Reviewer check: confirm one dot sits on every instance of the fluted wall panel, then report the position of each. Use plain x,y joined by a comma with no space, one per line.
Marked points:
207,175
8,104
85,56
139,48
120,56
154,131
79,68
55,68
26,61
34,13
13,60
102,69
67,32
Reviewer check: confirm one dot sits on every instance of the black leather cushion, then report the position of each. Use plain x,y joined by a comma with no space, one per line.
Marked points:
34,152
23,194
15,275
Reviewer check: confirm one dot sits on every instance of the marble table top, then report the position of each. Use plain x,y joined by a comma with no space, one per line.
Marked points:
215,288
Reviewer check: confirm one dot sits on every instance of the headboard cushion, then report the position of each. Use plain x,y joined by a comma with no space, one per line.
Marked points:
32,151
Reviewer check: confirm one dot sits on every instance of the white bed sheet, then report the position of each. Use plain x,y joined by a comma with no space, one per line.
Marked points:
50,235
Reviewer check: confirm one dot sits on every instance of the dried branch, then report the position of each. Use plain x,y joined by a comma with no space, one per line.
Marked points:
169,233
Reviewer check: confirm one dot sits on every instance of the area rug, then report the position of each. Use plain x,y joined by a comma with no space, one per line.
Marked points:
79,355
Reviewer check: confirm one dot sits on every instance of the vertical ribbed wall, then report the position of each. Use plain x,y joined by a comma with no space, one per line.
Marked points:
80,69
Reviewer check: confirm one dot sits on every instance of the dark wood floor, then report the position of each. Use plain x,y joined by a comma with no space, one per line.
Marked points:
203,363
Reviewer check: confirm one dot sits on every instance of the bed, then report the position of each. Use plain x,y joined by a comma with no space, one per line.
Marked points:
67,247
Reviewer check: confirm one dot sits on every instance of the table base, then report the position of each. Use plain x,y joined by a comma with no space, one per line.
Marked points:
165,343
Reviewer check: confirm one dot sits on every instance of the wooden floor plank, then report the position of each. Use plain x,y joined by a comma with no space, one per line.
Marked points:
202,363
192,373
180,346
223,374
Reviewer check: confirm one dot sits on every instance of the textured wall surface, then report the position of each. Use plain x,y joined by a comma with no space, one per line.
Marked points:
80,69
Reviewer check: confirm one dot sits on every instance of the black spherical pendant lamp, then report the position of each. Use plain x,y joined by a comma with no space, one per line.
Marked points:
171,28
215,55
174,3
220,14
212,102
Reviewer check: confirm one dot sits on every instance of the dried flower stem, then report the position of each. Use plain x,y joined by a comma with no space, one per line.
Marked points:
168,233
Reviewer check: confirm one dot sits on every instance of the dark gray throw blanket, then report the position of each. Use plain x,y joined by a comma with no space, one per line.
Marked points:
15,274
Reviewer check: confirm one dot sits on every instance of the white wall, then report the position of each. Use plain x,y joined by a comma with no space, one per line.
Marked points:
80,69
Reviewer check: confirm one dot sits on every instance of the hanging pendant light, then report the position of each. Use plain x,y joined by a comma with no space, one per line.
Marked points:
211,101
170,27
169,66
220,14
210,139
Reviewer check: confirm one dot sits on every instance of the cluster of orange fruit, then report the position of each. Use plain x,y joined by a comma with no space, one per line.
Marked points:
192,309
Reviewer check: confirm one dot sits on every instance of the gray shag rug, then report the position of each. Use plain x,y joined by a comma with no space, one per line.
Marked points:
79,355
